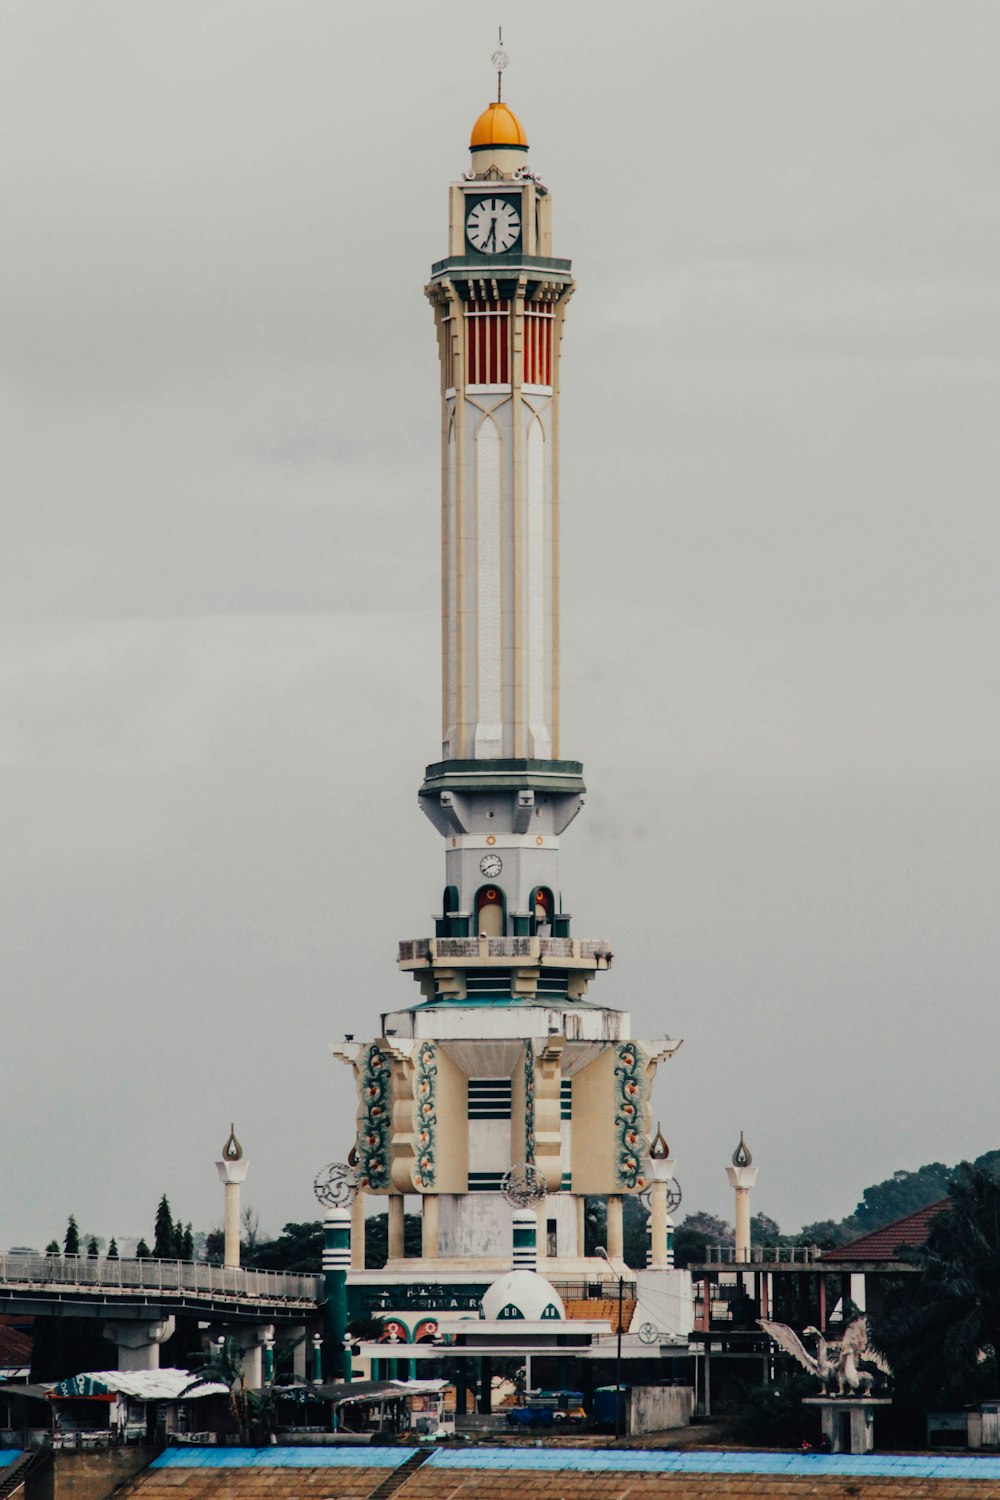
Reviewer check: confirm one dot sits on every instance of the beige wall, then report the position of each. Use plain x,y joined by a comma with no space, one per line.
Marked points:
452,1149
593,1140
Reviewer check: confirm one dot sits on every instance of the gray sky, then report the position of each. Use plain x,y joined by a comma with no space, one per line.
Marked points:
220,565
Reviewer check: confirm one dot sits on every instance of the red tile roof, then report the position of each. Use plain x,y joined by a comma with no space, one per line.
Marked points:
885,1243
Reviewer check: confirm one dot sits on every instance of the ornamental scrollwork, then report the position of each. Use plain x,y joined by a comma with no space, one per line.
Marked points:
425,1117
374,1119
631,1093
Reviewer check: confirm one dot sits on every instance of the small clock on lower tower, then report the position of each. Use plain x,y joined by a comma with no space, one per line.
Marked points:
491,865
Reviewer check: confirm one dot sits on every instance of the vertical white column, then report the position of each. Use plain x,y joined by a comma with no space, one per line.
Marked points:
539,737
489,594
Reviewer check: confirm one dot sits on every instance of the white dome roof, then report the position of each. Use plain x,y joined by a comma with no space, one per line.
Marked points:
524,1295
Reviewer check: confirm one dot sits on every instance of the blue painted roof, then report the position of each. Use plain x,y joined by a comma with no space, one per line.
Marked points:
705,1461
281,1458
9,1456
588,1461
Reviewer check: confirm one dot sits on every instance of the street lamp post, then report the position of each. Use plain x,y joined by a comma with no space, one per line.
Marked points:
602,1252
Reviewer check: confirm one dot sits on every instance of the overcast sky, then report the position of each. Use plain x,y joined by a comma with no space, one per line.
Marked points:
219,657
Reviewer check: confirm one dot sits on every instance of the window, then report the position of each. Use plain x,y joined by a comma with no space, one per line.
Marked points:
539,318
487,342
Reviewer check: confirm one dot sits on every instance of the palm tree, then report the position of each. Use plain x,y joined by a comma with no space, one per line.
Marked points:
940,1330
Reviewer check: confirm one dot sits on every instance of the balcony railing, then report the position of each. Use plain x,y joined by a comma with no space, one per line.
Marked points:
763,1255
531,949
80,1272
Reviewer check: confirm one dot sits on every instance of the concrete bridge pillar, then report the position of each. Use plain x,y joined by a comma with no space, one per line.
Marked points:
249,1340
138,1342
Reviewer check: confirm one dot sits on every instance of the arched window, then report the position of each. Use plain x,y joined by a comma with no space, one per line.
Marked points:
491,912
542,908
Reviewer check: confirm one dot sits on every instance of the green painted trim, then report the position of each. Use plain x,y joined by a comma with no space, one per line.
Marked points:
545,265
498,146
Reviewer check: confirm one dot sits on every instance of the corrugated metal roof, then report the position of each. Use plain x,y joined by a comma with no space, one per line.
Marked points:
142,1385
885,1243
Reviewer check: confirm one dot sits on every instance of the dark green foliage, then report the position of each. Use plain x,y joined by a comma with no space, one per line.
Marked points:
940,1330
52,1248
215,1246
765,1231
163,1232
695,1234
772,1416
187,1243
299,1247
71,1240
827,1234
901,1194
92,1249
143,1251
635,1217
113,1249
377,1239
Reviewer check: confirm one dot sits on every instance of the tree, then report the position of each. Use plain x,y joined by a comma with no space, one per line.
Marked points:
142,1250
695,1234
377,1239
251,1228
764,1231
827,1234
71,1241
299,1247
901,1194
163,1231
92,1250
187,1244
52,1248
113,1249
940,1330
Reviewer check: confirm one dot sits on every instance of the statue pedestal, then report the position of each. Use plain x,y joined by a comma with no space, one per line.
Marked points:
848,1421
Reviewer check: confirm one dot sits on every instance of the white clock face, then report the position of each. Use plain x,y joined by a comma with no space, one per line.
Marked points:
493,225
491,865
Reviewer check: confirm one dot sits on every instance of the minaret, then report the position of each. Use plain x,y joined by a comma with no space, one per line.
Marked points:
742,1176
504,1060
232,1170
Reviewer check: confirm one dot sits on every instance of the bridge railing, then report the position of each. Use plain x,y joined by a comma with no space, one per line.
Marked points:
182,1276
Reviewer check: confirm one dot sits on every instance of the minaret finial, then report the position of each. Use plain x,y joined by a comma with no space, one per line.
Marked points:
741,1156
499,61
232,1150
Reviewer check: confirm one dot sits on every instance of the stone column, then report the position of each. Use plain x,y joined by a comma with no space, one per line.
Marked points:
429,1226
397,1248
138,1342
232,1170
742,1177
616,1233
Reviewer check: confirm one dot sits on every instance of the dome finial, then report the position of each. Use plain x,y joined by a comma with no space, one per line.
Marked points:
232,1150
741,1156
499,61
658,1148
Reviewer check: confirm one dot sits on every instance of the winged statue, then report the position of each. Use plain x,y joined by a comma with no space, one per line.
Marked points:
838,1366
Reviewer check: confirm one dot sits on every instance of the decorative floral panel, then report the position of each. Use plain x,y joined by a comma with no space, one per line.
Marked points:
374,1117
529,1103
425,1116
631,1101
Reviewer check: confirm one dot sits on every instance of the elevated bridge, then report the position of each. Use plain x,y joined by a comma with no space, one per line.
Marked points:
139,1300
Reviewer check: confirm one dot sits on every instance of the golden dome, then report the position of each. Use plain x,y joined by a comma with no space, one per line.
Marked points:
498,126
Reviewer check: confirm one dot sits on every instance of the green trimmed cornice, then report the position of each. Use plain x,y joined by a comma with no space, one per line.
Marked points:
504,775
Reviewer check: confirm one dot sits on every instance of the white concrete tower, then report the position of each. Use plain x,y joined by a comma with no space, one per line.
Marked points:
504,1065
742,1176
232,1170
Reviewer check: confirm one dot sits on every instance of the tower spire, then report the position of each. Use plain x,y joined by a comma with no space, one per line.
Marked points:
499,61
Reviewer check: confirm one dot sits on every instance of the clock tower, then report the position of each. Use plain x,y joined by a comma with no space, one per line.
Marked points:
504,1063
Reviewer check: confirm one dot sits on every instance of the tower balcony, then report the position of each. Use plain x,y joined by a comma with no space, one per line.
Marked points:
588,954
